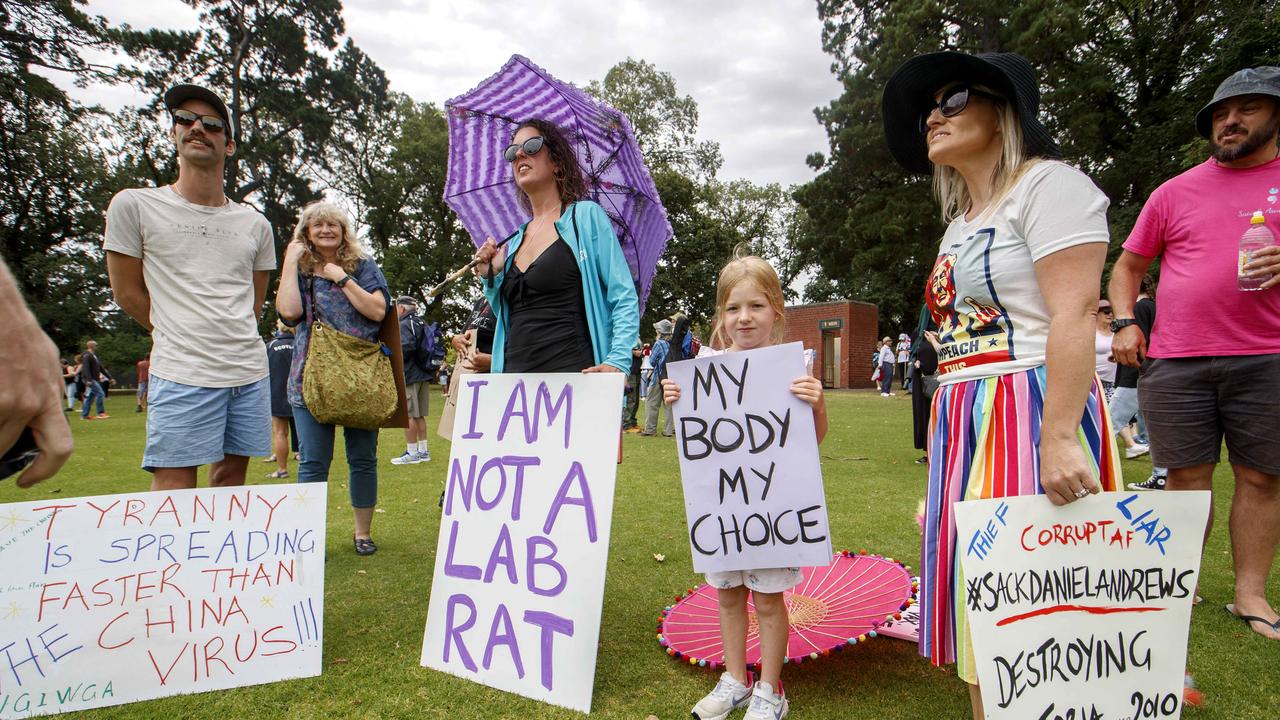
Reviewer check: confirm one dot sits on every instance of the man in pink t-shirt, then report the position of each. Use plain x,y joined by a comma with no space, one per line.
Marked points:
1212,368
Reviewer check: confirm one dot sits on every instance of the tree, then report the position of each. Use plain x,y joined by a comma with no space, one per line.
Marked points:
52,181
1120,83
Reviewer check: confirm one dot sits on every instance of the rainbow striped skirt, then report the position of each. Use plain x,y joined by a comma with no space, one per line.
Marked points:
983,443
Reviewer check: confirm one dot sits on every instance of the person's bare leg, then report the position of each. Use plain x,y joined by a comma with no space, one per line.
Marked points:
771,613
975,699
173,478
1255,533
1196,477
364,522
229,471
280,442
1126,434
733,630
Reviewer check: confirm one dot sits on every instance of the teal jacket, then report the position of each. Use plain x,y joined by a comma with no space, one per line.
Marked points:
613,310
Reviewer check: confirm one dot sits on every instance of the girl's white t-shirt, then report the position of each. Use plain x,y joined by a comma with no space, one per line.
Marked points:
983,293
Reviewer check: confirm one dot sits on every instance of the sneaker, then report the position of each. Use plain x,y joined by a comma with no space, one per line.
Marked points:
1136,450
424,456
103,416
1155,482
924,460
407,458
765,705
728,695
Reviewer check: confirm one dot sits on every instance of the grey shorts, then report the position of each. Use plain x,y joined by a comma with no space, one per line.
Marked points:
1190,404
419,398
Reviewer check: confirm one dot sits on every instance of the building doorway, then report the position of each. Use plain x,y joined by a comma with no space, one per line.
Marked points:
830,358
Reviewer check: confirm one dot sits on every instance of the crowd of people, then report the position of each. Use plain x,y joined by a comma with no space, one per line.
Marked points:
1013,322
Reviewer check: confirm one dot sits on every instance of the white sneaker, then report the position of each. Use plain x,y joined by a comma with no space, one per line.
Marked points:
424,456
1136,451
728,695
765,705
406,459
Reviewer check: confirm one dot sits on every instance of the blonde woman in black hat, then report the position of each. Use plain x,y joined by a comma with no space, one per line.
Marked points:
1014,292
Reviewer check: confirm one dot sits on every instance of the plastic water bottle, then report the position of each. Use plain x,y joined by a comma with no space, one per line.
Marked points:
1258,236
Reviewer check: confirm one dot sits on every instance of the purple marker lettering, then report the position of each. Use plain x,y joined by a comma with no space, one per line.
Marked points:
472,433
533,560
503,554
562,498
453,632
543,399
507,636
466,572
550,624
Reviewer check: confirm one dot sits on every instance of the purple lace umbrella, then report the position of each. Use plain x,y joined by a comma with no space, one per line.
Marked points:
479,186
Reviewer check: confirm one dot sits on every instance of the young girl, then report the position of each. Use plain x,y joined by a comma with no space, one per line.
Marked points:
750,310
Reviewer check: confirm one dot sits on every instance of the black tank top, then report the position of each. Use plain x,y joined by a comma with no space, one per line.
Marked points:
546,316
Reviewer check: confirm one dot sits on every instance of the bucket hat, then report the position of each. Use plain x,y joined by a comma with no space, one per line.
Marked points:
178,94
909,94
1263,80
664,327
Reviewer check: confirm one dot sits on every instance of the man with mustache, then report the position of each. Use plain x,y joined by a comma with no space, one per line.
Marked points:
191,266
1213,362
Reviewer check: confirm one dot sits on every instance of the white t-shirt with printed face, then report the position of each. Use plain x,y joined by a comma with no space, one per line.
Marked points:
983,293
198,264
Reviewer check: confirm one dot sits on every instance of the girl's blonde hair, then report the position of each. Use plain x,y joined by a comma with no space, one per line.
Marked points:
747,267
949,186
349,251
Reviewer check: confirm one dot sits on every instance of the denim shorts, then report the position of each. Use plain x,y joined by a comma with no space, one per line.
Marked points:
766,580
1191,404
189,425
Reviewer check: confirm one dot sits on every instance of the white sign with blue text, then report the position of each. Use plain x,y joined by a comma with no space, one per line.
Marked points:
748,450
524,538
1081,612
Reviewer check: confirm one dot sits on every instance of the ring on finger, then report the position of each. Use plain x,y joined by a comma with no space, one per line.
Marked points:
1081,493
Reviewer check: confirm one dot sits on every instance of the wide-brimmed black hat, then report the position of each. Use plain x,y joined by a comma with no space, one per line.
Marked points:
1263,80
909,94
178,94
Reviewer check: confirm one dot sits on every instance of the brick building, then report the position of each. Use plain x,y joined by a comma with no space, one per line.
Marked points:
844,336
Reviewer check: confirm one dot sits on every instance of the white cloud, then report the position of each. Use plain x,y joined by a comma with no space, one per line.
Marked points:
755,67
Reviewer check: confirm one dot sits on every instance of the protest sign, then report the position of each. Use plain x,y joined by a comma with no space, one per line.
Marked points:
119,598
748,452
524,539
1081,612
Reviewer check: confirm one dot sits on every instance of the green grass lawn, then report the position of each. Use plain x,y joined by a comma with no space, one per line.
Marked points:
375,607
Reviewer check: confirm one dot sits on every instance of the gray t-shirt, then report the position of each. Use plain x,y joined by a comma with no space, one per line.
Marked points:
198,263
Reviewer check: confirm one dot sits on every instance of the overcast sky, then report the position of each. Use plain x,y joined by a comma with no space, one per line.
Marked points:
755,67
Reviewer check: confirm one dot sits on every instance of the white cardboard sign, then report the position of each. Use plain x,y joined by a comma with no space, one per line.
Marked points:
1081,612
119,598
748,450
524,538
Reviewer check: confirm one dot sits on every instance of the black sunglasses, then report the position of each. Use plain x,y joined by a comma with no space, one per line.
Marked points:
952,102
530,147
211,123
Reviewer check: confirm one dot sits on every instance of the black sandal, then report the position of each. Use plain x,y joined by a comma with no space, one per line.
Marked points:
365,546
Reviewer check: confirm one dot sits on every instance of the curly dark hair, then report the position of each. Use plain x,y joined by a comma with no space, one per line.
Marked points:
569,180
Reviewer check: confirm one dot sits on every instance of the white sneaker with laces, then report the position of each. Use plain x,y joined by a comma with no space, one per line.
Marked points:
424,456
728,695
1136,450
766,705
407,458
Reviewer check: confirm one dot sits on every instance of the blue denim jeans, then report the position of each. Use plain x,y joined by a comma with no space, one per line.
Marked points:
93,391
315,441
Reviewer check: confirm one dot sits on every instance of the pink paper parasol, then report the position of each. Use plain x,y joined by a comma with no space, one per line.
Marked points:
832,608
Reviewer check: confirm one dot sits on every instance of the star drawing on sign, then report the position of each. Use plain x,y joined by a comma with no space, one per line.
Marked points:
301,497
15,610
266,601
10,521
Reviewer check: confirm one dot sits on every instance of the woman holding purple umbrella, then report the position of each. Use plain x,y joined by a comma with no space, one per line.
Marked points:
561,291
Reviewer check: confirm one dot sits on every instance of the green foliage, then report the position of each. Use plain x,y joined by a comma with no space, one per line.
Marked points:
1121,83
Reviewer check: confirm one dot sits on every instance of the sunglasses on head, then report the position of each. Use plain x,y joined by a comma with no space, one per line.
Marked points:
211,123
952,102
530,147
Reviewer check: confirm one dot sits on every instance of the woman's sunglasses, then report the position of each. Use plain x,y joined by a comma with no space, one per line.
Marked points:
953,102
530,147
211,123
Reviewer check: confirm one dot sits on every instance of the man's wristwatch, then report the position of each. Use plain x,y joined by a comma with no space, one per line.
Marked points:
346,278
1120,323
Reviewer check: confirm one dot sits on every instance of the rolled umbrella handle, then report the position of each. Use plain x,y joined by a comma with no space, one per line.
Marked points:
463,271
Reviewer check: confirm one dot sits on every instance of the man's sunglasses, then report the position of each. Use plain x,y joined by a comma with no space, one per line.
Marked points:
211,123
530,147
953,102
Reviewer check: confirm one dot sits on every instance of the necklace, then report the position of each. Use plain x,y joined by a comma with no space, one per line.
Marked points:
174,188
